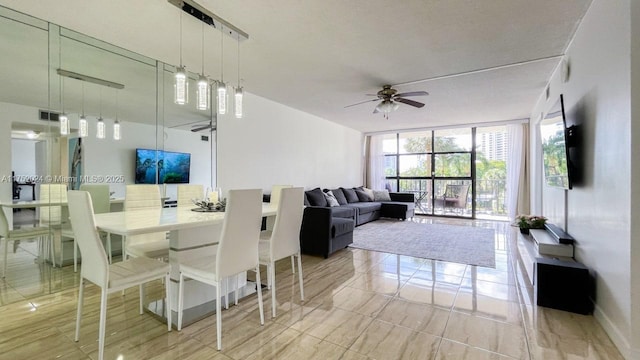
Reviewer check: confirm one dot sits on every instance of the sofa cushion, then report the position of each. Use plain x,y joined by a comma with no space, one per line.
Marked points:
316,197
331,199
381,195
365,207
339,196
363,196
350,195
343,212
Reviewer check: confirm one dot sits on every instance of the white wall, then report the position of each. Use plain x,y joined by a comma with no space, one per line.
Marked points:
276,144
635,174
597,212
109,157
23,157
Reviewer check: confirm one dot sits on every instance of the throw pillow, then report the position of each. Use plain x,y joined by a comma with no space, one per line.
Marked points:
331,199
350,195
306,201
340,196
381,195
369,192
362,196
316,197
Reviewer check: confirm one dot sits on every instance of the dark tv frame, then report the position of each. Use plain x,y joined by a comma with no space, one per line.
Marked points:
568,142
158,152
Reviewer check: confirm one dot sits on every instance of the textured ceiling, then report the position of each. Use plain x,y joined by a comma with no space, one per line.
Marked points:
319,56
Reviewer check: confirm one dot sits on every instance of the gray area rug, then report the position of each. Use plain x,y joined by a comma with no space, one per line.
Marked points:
460,244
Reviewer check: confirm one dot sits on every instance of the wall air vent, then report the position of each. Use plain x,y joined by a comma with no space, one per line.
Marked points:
204,138
48,115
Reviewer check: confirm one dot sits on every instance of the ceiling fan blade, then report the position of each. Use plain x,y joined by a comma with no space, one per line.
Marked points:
361,102
411,93
409,102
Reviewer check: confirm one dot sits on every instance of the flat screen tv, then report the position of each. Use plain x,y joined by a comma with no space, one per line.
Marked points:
555,147
162,167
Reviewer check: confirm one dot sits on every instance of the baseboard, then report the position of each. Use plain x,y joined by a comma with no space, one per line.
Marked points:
615,335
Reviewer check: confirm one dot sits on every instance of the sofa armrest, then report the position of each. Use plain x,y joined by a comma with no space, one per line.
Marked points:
402,197
315,232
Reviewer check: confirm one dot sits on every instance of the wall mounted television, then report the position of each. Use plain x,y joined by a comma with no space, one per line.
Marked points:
166,166
558,167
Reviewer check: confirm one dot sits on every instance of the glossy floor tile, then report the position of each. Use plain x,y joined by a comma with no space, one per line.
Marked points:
358,305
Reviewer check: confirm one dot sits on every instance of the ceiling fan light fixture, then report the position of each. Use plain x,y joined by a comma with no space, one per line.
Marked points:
387,106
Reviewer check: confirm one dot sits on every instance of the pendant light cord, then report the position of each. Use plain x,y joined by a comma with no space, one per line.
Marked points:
203,49
83,99
180,38
116,104
221,53
238,37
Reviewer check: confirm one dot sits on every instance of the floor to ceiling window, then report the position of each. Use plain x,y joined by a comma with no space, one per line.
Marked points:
452,172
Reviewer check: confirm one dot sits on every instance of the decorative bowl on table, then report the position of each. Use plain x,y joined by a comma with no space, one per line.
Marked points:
209,206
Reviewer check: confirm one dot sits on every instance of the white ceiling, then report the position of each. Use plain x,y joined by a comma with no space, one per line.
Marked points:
319,56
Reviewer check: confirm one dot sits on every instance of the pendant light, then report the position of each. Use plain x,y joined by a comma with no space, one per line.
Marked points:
83,128
203,84
64,120
116,124
222,88
239,93
100,133
181,86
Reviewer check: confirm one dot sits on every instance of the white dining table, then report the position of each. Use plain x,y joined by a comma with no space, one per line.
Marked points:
18,204
192,235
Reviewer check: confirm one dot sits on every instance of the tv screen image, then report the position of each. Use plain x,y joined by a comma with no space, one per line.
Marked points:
554,147
167,166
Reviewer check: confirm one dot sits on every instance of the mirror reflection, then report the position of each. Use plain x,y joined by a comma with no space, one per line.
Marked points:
33,98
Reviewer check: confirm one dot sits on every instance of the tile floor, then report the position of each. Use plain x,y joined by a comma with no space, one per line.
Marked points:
359,305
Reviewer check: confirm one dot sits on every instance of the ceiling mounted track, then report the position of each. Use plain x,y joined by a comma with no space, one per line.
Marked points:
199,12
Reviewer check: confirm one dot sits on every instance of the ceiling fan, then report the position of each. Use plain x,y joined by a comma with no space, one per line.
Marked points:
197,128
390,98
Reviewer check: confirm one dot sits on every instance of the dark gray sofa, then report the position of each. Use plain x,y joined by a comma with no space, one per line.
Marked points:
326,229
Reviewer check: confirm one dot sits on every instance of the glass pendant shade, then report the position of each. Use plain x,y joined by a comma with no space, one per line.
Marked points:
238,102
64,124
222,98
181,86
116,130
100,134
83,127
203,93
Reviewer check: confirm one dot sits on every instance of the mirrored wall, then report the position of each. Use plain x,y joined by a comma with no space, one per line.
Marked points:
100,83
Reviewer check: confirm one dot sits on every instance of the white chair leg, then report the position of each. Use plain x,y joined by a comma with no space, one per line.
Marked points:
268,276
75,255
79,312
300,277
141,288
219,316
109,248
226,294
235,292
52,248
103,323
273,289
6,248
124,253
293,265
259,288
180,300
167,295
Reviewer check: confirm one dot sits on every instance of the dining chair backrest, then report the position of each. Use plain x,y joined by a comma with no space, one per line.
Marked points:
285,238
99,197
275,193
238,247
86,235
142,197
186,194
4,224
52,193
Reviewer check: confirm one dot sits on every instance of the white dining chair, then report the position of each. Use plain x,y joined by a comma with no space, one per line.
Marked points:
186,194
52,216
284,240
237,252
110,278
42,233
154,245
275,193
101,204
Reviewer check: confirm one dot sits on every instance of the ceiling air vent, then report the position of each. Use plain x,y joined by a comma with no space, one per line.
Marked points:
47,115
